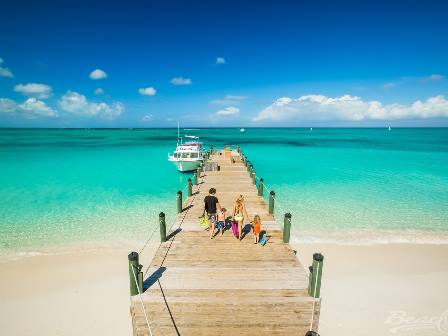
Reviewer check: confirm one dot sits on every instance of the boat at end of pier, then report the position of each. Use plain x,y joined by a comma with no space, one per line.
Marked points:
187,156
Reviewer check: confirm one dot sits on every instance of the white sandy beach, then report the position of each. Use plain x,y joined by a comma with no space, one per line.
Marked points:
87,293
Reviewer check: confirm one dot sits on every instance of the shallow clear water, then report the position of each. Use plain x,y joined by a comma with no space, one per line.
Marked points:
61,187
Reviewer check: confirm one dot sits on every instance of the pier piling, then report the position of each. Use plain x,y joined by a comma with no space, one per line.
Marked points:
311,333
133,269
260,187
318,260
190,188
310,279
162,227
286,227
271,202
179,201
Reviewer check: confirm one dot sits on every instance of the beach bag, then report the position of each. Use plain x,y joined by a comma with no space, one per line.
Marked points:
235,229
202,221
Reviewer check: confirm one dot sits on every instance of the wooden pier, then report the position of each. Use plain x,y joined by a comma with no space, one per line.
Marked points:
198,286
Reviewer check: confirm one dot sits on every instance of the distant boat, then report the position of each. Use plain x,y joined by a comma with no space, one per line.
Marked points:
389,128
242,130
311,129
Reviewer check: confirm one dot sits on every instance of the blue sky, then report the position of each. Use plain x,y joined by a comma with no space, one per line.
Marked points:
223,63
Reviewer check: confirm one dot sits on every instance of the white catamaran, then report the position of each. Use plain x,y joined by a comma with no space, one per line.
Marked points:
188,155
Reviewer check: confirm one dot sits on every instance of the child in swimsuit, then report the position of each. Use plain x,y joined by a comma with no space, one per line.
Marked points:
256,228
221,223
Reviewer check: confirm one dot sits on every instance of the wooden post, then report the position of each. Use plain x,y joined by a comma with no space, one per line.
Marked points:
248,166
179,201
310,279
311,333
254,176
286,227
190,188
260,187
318,261
133,267
162,227
198,172
195,179
271,202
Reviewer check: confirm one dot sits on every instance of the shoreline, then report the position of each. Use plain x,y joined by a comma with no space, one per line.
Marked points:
341,237
87,292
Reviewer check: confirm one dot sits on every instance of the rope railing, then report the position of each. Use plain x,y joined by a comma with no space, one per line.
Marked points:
151,234
141,300
148,240
268,190
314,296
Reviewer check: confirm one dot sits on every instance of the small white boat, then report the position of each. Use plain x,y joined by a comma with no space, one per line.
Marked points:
187,156
389,128
242,130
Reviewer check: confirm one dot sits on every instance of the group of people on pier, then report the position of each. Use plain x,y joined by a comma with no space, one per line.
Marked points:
217,220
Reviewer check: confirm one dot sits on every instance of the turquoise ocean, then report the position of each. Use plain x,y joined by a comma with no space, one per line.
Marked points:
68,188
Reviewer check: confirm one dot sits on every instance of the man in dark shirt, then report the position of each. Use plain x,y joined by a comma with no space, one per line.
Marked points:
211,205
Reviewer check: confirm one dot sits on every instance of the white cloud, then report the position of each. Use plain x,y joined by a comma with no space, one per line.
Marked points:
149,91
7,105
77,104
99,91
181,81
31,108
37,108
220,60
228,100
389,85
434,77
5,72
36,90
98,74
148,118
228,111
322,108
